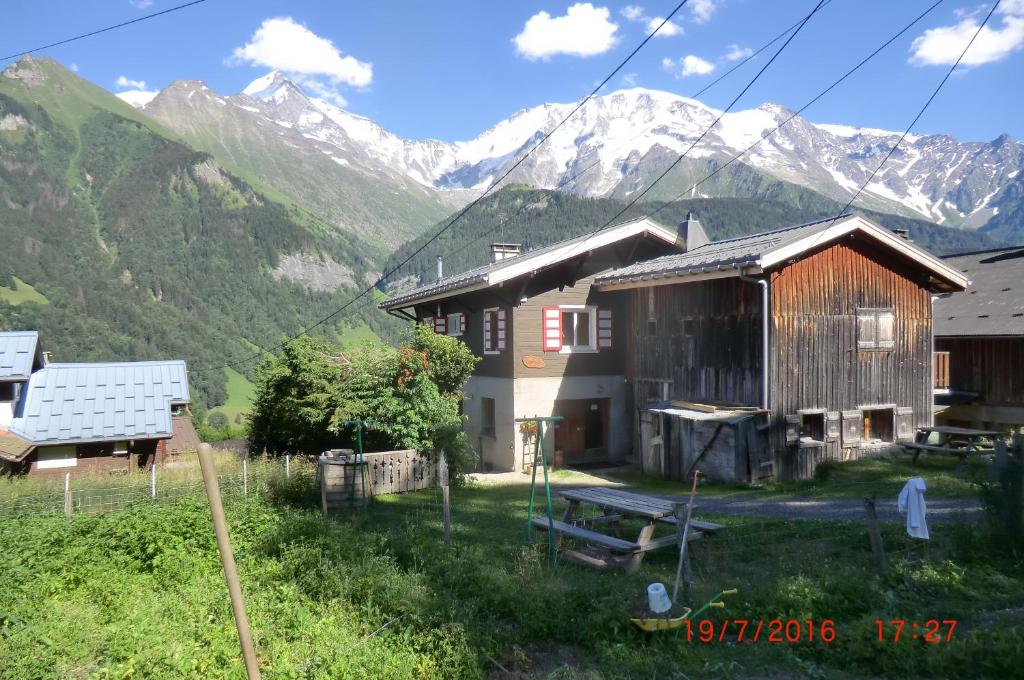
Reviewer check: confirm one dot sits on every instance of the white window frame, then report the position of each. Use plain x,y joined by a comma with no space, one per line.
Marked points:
454,322
56,457
494,335
591,310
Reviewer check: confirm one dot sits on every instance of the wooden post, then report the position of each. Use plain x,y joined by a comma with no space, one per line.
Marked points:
442,471
67,494
875,536
288,465
227,560
245,474
152,481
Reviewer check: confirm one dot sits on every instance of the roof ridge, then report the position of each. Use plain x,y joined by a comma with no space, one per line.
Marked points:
87,364
773,231
982,252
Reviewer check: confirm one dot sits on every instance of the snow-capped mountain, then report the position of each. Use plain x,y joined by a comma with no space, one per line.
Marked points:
618,142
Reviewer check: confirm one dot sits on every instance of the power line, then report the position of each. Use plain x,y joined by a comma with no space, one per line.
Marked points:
919,113
803,108
472,203
102,30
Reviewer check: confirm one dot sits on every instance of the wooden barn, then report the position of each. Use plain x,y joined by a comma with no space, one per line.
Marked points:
819,334
57,418
979,342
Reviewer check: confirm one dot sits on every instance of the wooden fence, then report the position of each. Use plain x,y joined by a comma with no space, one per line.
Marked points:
385,472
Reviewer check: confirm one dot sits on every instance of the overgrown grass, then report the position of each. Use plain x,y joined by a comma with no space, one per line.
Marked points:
241,392
140,593
882,475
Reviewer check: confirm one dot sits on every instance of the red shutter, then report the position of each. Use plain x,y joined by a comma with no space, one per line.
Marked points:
441,325
501,331
488,346
551,327
604,329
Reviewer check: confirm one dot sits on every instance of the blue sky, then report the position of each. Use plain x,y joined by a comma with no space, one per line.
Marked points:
451,69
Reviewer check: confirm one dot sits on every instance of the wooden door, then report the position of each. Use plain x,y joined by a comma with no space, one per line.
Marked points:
569,432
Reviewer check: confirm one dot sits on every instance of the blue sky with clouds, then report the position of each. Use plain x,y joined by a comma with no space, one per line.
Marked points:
451,69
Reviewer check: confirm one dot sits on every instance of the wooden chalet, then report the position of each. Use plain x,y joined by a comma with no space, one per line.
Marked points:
550,342
57,418
979,343
767,354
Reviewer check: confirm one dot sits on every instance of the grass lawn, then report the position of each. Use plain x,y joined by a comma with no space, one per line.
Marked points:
882,475
21,293
241,392
139,593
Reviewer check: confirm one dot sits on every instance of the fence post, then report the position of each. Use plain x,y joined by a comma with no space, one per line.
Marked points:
288,465
67,494
245,475
875,536
152,481
442,472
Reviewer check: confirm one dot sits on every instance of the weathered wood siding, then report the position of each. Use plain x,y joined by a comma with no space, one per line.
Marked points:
992,366
528,340
473,305
386,472
706,340
816,362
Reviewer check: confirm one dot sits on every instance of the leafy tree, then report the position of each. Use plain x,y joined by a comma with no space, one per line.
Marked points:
217,420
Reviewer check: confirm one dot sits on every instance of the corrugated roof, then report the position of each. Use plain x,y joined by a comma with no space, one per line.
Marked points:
101,401
17,354
994,301
539,258
771,248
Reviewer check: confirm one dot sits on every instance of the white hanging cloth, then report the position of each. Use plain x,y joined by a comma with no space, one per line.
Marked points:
911,501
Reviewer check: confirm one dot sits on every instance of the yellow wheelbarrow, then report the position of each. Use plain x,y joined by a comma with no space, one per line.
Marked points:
653,624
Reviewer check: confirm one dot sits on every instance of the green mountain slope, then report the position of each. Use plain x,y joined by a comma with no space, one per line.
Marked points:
143,247
537,217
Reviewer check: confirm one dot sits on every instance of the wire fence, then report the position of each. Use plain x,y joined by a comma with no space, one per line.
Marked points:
92,492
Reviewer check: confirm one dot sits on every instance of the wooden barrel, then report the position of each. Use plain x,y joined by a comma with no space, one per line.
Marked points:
343,483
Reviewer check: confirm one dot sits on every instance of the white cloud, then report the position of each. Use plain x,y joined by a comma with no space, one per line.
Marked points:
584,31
630,79
141,4
313,62
690,65
124,83
633,13
736,53
74,68
942,45
702,10
667,31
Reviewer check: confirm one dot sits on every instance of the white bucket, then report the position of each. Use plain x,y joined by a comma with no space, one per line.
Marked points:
657,598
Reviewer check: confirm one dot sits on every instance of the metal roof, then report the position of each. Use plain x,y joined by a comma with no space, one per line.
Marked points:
18,352
511,267
767,249
994,301
66,403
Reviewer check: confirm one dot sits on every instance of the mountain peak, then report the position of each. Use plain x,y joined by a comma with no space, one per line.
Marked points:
273,86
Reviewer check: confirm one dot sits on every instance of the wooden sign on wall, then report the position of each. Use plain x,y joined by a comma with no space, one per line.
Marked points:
533,362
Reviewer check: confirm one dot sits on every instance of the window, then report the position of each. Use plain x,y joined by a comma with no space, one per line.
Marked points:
56,457
7,391
652,317
456,324
812,427
487,416
576,329
879,424
876,329
494,330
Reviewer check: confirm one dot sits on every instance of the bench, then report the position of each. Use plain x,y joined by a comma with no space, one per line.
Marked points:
616,545
918,448
703,527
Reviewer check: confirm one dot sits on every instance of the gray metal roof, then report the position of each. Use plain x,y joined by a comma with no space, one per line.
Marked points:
726,254
18,351
994,301
541,257
66,403
774,248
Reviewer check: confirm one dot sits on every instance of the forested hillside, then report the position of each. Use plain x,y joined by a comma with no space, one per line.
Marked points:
538,217
139,247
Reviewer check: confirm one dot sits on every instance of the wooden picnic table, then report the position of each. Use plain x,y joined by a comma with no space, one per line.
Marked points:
960,441
619,504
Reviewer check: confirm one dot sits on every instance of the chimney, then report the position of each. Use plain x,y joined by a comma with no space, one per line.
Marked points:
902,233
46,358
691,233
503,251
440,268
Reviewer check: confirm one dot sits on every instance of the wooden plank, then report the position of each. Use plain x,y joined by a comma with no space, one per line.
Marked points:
614,544
665,541
706,527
